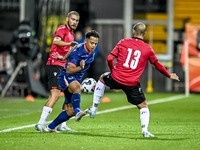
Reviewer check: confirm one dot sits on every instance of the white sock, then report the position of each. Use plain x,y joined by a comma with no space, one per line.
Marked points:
63,124
144,118
98,93
45,114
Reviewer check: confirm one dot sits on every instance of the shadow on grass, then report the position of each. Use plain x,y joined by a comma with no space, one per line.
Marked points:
130,135
134,136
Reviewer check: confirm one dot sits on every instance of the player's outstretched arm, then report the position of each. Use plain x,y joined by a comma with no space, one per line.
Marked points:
174,77
58,57
68,53
164,71
58,41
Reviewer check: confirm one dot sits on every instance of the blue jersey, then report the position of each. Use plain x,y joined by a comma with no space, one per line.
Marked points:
78,54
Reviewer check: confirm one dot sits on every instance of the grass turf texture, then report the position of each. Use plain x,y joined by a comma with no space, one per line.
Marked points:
175,125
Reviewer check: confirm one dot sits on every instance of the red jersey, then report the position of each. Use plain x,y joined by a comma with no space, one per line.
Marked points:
132,55
67,36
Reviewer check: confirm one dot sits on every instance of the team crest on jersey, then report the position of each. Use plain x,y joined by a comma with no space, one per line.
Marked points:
55,73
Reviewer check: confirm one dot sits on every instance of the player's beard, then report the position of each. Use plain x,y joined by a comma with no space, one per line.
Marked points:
72,28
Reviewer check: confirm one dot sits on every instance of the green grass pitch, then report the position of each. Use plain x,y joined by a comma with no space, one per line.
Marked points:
175,122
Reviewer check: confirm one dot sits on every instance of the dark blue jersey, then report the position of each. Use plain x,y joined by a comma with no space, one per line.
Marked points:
78,54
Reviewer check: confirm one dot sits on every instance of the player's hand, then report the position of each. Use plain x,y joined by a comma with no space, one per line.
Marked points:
92,113
82,64
73,43
57,56
174,77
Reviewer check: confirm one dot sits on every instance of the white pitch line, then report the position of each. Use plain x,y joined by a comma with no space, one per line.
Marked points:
162,100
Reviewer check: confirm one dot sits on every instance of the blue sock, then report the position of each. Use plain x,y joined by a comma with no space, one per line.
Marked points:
76,99
63,116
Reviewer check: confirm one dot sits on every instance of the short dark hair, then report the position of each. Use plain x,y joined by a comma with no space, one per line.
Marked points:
92,33
73,13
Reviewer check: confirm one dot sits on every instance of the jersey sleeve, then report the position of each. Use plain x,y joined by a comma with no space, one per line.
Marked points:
115,51
112,56
73,59
162,69
152,57
110,59
60,32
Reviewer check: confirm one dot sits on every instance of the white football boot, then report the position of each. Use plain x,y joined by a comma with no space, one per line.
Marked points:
65,129
80,114
147,134
47,129
40,127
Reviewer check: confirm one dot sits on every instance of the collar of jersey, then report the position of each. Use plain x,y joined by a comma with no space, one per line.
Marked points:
87,49
68,28
138,38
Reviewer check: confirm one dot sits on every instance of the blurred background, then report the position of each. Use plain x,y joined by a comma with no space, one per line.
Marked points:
27,28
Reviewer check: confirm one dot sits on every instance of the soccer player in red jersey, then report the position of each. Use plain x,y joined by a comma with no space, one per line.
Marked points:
132,55
63,40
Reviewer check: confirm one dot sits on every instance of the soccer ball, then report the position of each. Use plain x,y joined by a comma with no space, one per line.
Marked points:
88,85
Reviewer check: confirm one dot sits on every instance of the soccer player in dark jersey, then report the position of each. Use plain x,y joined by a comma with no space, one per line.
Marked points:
132,55
62,41
71,76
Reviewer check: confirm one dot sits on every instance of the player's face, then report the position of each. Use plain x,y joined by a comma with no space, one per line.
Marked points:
72,22
91,43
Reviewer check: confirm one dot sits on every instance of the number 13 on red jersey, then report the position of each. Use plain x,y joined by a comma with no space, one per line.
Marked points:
134,61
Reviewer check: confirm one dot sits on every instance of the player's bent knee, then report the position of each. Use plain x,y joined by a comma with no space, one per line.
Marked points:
103,75
101,78
55,94
142,105
70,112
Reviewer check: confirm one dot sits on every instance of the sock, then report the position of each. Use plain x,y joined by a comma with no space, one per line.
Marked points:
76,99
45,114
144,118
63,124
98,93
61,118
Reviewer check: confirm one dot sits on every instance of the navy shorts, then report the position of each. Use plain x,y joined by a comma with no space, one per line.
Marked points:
134,94
52,74
64,82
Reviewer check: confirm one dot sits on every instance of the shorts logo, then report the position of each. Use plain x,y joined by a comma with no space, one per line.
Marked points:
70,78
55,73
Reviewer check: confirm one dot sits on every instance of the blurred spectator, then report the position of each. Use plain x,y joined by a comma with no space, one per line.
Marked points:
79,38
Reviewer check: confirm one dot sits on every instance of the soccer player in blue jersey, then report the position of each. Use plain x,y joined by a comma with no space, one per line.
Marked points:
71,76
